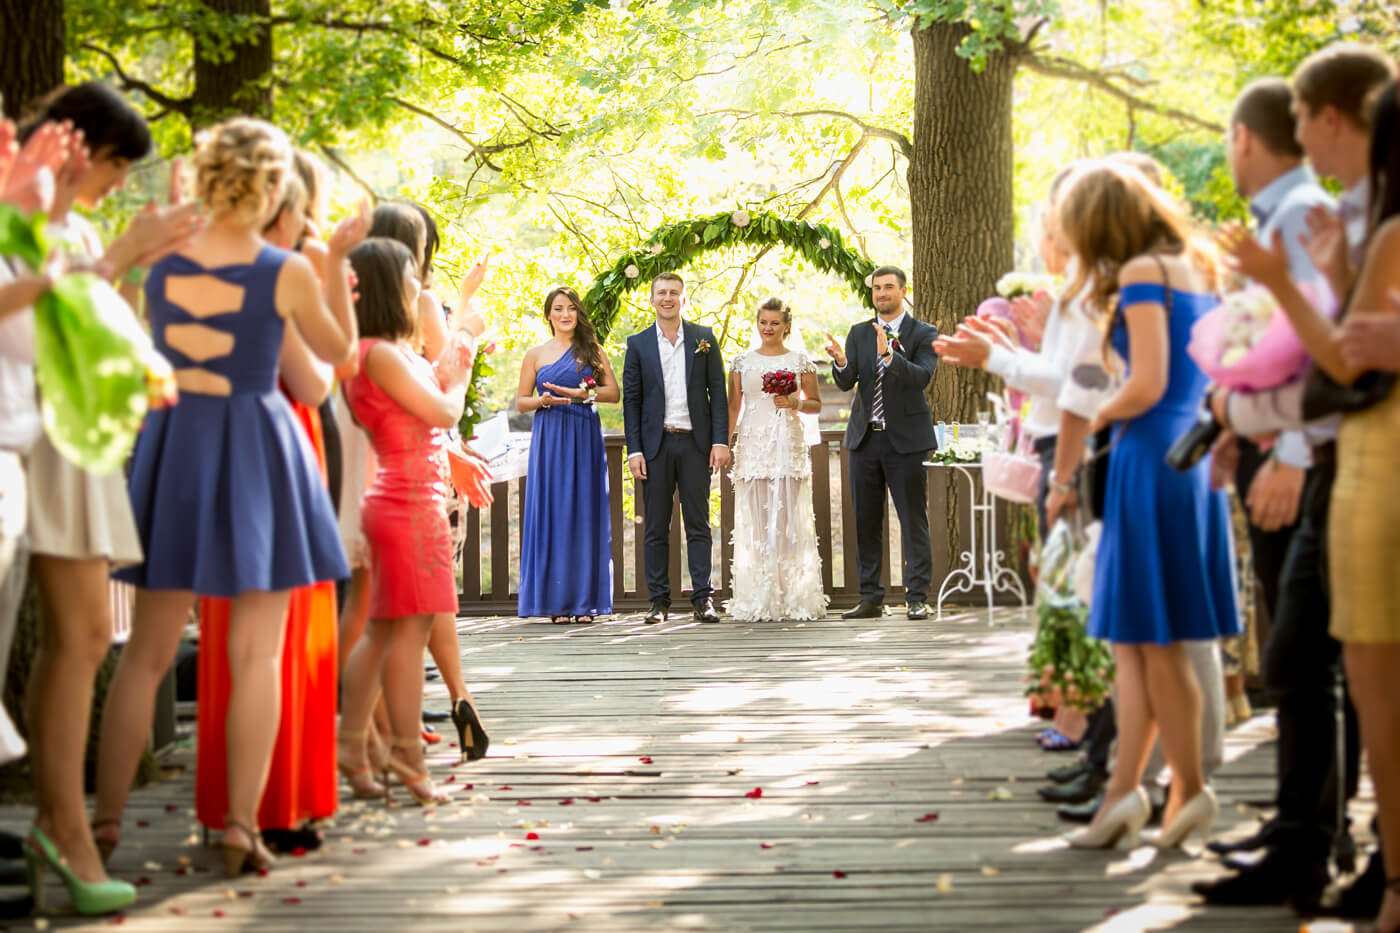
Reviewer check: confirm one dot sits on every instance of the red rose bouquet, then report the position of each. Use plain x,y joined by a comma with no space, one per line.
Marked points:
780,382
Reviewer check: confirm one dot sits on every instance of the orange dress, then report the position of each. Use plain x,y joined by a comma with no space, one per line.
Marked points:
302,782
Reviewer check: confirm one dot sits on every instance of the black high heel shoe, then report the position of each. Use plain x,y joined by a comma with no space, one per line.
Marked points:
465,718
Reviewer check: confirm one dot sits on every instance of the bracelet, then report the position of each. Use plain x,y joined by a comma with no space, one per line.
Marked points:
135,275
1057,486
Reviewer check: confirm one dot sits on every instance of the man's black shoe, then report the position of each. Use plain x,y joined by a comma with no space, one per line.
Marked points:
1066,773
1085,787
11,845
705,611
13,908
1260,840
866,610
1080,812
435,716
288,841
658,611
1276,879
918,609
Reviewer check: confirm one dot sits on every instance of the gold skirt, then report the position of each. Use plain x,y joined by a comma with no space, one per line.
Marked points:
1363,533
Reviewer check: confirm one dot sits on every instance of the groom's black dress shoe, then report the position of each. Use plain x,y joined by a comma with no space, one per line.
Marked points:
1260,840
1066,773
866,610
1080,812
1276,879
918,609
705,611
1085,787
657,612
1362,900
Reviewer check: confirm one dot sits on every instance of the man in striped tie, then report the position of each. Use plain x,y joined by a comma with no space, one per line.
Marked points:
888,360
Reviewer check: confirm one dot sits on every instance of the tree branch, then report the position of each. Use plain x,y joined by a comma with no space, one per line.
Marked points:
905,144
1073,71
182,105
476,148
345,167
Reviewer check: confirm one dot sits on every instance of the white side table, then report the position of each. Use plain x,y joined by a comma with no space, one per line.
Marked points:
981,566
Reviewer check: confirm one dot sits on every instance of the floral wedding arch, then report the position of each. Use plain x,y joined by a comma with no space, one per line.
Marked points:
673,246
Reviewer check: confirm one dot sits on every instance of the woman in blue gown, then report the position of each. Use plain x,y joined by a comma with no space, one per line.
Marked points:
566,533
1164,573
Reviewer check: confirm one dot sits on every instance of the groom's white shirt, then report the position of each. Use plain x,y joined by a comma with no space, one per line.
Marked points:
673,377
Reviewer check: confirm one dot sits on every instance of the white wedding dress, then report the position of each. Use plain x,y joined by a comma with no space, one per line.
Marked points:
777,571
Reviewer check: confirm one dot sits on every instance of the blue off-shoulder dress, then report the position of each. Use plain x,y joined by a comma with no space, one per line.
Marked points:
225,486
1165,569
566,532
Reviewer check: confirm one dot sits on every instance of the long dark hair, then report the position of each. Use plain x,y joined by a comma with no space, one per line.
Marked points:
401,222
1385,155
587,350
382,308
431,239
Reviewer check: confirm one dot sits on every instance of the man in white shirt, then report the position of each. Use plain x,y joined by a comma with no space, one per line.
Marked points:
676,417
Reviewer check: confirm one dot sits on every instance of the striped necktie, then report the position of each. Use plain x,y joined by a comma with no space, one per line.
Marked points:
877,410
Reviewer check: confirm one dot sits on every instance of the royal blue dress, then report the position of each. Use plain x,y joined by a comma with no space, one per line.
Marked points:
1165,569
226,489
566,533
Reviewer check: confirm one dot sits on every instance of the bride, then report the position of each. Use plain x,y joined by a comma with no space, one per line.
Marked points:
776,571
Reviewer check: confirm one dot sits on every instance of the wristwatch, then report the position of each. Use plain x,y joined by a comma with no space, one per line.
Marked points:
1057,486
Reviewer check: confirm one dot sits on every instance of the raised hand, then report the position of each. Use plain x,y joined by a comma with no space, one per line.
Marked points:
835,351
27,174
159,230
882,341
349,232
475,276
1030,314
1247,256
1326,245
997,330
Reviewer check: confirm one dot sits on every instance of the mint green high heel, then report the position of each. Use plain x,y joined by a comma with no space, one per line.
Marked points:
89,897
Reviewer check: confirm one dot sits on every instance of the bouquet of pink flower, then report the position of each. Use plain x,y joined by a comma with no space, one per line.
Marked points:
780,382
1247,343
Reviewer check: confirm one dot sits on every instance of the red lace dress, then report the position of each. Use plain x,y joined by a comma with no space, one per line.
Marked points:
404,511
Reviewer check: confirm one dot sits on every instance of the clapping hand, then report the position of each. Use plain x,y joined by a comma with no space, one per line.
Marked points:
1371,339
834,350
967,346
882,340
1030,314
27,174
1326,245
1247,256
349,232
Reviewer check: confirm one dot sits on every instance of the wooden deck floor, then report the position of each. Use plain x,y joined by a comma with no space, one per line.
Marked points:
894,760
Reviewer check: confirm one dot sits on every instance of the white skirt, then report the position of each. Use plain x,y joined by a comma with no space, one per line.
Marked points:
776,571
77,514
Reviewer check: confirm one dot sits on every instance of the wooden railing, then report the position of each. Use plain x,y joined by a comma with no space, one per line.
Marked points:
491,553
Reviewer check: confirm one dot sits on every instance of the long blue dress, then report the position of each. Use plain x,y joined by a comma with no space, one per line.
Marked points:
225,488
566,533
1165,566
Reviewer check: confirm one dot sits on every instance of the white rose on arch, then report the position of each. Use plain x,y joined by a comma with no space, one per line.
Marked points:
824,243
740,218
632,271
657,249
869,281
695,239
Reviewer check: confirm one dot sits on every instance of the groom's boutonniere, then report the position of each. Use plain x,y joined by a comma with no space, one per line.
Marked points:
893,339
702,346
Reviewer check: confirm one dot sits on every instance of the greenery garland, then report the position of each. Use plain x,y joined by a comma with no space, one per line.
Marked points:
477,385
674,246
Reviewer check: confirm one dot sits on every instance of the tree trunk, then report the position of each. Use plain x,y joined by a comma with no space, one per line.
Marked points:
233,78
961,205
960,193
31,47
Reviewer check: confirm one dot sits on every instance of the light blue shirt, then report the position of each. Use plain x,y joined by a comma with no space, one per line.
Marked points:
1282,206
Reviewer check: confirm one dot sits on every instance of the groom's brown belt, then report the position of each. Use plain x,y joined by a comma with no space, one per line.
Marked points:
671,430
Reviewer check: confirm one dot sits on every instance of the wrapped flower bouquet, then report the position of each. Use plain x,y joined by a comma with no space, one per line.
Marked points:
1247,343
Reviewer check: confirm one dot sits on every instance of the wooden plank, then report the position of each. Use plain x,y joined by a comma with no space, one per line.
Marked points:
615,517
821,508
471,557
850,561
677,549
724,573
500,542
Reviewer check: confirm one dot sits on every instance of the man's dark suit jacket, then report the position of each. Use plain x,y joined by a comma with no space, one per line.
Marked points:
644,391
908,421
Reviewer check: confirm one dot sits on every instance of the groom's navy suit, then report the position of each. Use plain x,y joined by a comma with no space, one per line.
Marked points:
890,453
675,459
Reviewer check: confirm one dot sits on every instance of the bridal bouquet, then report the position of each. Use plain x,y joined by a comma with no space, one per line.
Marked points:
780,382
1247,343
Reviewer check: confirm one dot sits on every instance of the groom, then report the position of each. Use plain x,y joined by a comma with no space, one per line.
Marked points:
676,419
888,360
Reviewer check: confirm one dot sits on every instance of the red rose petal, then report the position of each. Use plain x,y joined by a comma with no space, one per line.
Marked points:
178,911
117,921
142,881
595,799
358,851
245,893
645,759
218,913
502,871
143,823
263,872
425,841
754,794
532,835
450,778
765,845
517,845
810,783
182,870
298,852
838,874
426,812
291,901
523,803
583,848
172,807
468,786
505,787
301,883
536,848
567,802
927,818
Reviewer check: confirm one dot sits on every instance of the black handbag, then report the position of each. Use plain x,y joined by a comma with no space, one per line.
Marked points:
1323,395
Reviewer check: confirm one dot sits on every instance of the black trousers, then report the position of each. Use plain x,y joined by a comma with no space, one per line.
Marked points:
678,465
1099,736
1269,548
875,467
1301,668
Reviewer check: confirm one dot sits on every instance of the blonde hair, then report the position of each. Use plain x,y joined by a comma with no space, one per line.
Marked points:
240,166
1110,213
777,304
313,178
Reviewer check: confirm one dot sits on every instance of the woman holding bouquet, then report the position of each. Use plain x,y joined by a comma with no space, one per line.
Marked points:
566,533
776,570
1163,577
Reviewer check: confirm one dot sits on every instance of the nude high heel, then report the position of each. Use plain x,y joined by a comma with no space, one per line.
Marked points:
1124,821
419,785
362,783
1196,816
238,858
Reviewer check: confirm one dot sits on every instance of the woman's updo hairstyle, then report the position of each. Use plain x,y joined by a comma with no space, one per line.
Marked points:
782,307
240,167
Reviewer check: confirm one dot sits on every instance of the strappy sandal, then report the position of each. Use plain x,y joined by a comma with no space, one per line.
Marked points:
584,620
238,859
559,620
363,786
419,785
1057,741
106,842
